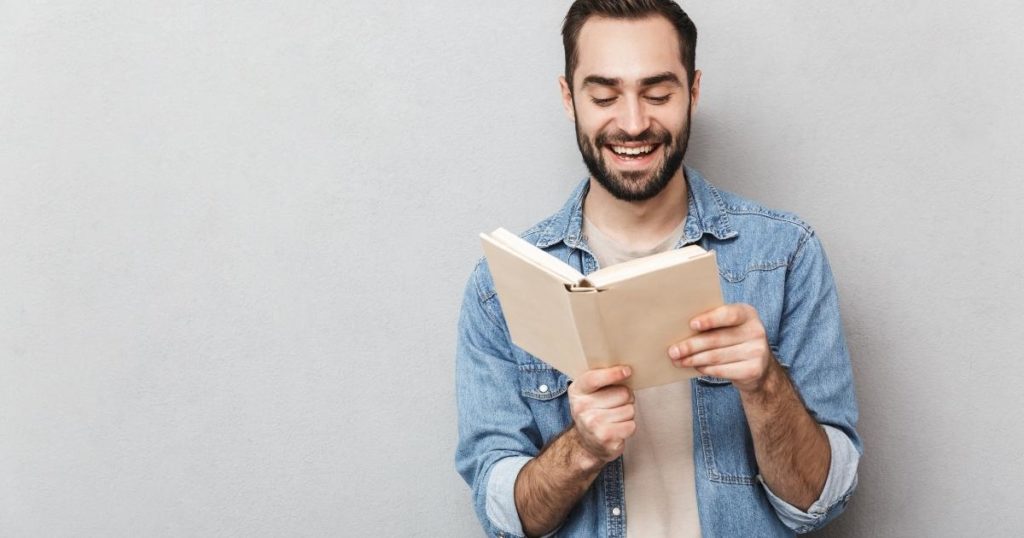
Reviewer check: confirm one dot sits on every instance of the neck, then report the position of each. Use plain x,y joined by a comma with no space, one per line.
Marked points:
637,224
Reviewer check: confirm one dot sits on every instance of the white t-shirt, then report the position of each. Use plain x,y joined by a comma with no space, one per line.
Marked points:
661,494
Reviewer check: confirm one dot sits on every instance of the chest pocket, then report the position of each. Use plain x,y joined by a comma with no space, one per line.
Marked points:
544,390
725,441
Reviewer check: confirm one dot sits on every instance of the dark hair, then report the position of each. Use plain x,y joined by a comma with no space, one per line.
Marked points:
581,10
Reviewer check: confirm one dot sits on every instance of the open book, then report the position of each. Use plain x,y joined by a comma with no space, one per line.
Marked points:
626,314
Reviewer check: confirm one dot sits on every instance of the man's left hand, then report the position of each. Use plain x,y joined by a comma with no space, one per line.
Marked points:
730,343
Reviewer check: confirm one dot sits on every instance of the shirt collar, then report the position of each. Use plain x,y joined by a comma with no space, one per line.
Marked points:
706,214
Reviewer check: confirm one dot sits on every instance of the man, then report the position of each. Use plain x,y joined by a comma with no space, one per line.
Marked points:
763,443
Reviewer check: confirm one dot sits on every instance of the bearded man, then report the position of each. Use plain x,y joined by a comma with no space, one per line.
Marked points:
764,442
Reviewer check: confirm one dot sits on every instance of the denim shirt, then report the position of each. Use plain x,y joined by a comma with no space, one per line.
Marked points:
511,404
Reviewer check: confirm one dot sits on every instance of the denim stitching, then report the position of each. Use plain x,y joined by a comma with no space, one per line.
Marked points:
708,447
774,215
757,267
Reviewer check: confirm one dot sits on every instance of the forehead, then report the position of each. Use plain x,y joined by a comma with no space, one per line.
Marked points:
629,49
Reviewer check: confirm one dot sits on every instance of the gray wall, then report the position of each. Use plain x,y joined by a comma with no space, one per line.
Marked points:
233,238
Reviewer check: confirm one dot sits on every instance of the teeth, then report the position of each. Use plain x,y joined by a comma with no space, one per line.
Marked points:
639,150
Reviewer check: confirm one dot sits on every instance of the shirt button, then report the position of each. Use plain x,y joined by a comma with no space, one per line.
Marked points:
543,388
616,511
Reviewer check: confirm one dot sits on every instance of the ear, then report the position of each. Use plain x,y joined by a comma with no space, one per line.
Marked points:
695,91
570,108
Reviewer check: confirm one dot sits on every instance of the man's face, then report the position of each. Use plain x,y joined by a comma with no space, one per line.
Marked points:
631,104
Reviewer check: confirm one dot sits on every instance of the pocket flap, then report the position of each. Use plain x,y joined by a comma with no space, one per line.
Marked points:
712,380
541,382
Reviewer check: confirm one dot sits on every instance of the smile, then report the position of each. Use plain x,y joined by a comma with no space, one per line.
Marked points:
638,150
632,153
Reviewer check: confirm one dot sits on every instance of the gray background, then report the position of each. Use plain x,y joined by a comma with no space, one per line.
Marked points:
234,236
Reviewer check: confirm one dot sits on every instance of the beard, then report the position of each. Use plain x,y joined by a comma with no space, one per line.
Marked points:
635,185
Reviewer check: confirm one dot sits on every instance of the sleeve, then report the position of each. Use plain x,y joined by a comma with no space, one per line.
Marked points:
841,481
813,349
497,432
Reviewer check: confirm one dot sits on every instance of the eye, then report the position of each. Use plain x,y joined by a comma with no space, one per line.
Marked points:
659,99
603,102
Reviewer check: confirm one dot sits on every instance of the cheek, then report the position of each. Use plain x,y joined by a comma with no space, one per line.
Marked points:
592,135
593,122
590,130
673,118
674,123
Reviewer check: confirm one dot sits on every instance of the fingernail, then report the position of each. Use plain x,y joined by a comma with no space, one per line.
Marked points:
695,325
626,370
673,352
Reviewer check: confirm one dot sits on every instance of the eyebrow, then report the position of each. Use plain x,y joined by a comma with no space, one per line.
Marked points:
660,78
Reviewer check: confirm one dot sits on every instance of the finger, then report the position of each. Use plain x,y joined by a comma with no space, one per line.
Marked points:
713,339
623,430
592,380
728,315
595,422
723,355
733,371
610,397
621,413
609,434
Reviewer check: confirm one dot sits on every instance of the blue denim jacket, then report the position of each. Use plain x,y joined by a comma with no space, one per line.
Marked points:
511,404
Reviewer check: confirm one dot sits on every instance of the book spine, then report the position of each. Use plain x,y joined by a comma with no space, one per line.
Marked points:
590,328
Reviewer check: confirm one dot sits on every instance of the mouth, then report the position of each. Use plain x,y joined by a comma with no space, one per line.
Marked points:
632,155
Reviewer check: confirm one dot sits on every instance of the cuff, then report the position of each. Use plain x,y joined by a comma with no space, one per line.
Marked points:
841,481
501,497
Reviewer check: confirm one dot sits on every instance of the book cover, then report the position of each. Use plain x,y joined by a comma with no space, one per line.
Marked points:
626,314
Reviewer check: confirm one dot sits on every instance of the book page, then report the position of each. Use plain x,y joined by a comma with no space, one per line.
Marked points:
535,303
603,278
644,315
534,255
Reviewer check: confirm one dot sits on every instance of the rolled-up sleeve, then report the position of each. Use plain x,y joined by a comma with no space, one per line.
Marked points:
500,501
496,427
841,481
813,349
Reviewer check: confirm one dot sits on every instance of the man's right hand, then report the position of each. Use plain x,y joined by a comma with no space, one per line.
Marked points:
603,412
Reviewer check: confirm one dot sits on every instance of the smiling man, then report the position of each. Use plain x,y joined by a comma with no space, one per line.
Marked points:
764,442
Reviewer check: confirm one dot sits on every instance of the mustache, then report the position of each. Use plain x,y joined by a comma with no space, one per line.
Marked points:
648,136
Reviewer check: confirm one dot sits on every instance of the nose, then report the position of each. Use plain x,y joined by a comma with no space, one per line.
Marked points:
632,117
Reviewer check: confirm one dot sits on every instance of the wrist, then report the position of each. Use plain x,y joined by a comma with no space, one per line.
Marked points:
581,459
768,384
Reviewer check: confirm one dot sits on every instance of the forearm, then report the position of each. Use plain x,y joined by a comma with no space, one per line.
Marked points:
550,485
792,450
